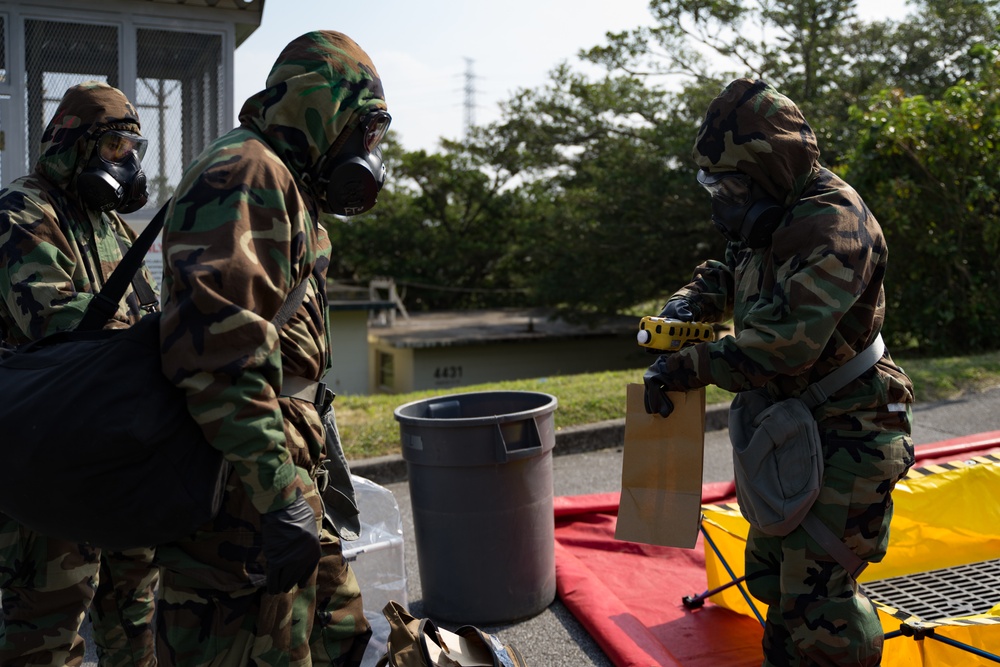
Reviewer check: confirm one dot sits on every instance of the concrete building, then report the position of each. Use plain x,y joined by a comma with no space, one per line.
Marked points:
456,349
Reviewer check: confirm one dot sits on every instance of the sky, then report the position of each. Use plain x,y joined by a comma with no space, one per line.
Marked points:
423,48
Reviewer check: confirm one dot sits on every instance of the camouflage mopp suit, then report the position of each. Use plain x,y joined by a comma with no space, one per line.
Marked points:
801,306
55,253
243,230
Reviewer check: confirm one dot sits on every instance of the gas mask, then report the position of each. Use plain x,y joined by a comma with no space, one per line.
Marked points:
348,182
113,177
738,210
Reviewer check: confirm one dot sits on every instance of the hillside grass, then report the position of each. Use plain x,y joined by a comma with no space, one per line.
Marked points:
368,428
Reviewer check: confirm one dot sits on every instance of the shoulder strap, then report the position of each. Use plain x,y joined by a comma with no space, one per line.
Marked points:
105,303
833,545
145,293
818,392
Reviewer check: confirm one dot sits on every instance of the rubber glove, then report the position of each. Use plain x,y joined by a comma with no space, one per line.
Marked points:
677,309
655,398
290,544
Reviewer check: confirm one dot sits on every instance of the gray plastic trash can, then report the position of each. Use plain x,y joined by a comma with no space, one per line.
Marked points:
480,477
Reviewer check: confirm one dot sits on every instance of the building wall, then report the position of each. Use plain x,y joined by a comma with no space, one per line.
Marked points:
401,375
417,369
349,356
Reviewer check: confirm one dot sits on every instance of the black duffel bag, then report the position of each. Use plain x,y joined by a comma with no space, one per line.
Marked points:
97,444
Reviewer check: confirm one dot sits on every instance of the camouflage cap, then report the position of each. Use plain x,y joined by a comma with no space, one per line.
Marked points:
752,128
85,111
320,87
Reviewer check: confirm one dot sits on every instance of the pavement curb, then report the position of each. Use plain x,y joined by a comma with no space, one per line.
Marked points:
391,468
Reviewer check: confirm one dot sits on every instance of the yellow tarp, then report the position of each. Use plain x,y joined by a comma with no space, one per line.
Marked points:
945,516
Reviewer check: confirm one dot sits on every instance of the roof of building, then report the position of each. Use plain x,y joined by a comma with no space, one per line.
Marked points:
245,24
442,329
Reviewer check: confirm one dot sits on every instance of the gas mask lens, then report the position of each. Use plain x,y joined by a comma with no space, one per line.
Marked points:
729,188
373,127
116,145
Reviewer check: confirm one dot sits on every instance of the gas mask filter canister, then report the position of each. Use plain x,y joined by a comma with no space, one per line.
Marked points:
350,181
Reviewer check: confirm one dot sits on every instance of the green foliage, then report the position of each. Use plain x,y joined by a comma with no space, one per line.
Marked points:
928,171
614,217
443,230
582,198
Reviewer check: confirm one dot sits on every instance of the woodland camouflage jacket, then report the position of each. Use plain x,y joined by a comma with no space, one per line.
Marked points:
813,298
243,230
54,253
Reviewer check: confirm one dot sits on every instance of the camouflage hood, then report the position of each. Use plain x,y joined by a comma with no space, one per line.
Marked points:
86,110
752,128
320,87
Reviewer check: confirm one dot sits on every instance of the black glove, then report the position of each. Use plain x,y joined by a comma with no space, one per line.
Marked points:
655,399
291,545
677,309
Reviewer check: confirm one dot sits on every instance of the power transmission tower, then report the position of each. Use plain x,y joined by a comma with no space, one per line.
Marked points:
470,98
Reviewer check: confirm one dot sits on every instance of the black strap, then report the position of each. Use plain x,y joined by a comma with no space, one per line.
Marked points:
145,294
105,303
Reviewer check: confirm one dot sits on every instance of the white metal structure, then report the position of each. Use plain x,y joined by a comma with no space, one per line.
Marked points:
172,58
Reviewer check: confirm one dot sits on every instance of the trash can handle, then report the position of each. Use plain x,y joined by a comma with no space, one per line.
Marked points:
503,451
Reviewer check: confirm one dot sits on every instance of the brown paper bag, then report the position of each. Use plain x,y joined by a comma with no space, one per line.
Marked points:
662,471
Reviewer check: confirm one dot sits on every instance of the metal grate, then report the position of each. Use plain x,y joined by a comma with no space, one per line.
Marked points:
179,95
3,49
179,88
58,55
935,595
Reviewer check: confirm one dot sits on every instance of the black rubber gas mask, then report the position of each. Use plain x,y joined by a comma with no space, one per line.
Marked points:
113,178
348,182
739,210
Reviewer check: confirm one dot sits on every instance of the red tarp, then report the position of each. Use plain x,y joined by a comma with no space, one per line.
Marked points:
628,595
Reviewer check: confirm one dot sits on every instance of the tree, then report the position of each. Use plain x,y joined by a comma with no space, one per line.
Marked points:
928,171
612,211
442,230
814,51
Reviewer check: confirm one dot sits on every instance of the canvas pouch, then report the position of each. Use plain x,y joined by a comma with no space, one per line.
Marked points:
777,460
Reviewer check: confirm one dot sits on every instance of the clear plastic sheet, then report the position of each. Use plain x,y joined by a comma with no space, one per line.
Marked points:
377,559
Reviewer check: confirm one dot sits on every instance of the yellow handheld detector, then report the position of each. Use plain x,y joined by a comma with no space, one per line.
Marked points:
661,334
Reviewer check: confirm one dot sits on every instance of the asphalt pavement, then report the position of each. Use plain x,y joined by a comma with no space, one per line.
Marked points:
590,462
554,638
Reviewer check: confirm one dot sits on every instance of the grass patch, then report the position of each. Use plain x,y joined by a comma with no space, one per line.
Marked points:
369,429
949,377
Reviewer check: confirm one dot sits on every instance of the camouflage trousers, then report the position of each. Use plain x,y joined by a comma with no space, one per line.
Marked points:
213,608
123,608
48,585
816,615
